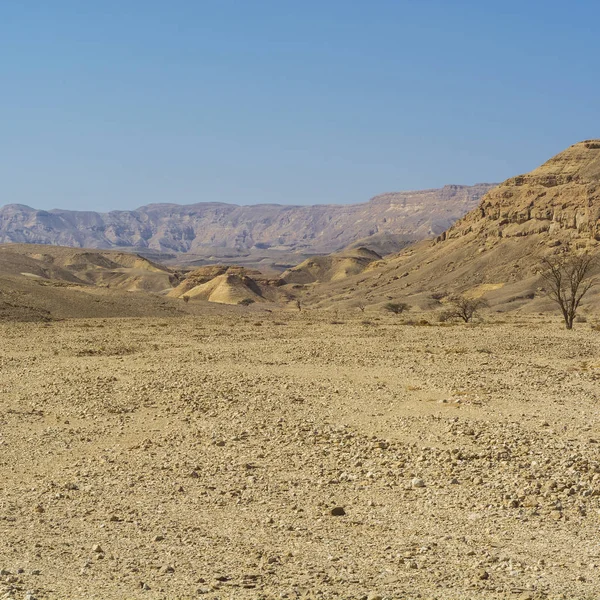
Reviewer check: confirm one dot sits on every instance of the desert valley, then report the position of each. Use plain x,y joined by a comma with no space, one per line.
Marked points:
253,418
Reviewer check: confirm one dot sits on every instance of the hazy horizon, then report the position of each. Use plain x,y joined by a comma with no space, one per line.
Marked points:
111,107
248,203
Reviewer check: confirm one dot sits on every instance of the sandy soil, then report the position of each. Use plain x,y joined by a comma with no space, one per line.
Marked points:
204,457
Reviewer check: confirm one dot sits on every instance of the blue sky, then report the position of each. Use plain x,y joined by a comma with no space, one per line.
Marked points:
112,105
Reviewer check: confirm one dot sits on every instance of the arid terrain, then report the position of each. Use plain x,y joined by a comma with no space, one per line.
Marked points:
174,432
211,455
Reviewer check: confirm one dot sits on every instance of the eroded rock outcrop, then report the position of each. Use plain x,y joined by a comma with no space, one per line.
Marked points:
561,198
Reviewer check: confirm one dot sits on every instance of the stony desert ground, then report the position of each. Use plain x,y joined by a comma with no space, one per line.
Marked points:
252,454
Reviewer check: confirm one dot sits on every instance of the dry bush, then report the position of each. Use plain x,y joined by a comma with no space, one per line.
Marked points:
462,308
396,307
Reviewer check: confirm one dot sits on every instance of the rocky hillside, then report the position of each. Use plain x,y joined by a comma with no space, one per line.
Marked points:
194,228
496,250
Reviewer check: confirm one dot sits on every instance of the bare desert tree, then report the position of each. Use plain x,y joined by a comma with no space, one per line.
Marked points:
567,281
464,308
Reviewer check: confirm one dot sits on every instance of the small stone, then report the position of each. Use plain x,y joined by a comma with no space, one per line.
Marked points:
39,509
167,569
454,481
417,482
158,538
97,549
556,515
337,511
374,596
483,575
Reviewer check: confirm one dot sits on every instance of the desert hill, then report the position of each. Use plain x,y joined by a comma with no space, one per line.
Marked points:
51,282
227,232
495,251
225,284
332,267
119,270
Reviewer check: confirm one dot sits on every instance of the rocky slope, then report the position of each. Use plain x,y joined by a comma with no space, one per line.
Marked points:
194,228
496,249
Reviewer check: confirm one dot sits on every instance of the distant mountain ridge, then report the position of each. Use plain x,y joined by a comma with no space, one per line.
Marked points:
193,228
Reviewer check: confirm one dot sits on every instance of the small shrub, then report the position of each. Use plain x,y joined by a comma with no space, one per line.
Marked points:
445,316
185,298
246,302
396,308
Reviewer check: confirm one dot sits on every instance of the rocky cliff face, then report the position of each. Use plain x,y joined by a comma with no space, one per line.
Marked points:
561,198
176,228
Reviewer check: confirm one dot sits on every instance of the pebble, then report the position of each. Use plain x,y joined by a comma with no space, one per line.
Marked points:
337,511
417,482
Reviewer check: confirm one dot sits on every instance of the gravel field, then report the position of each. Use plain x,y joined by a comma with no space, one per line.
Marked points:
297,455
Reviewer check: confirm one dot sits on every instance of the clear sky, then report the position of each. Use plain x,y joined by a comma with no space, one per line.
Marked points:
110,104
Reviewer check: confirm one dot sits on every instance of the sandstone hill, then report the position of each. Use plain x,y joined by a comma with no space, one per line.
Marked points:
51,282
268,231
495,251
118,270
332,267
226,284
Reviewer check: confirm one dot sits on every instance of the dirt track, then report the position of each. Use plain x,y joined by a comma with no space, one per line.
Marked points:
201,457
